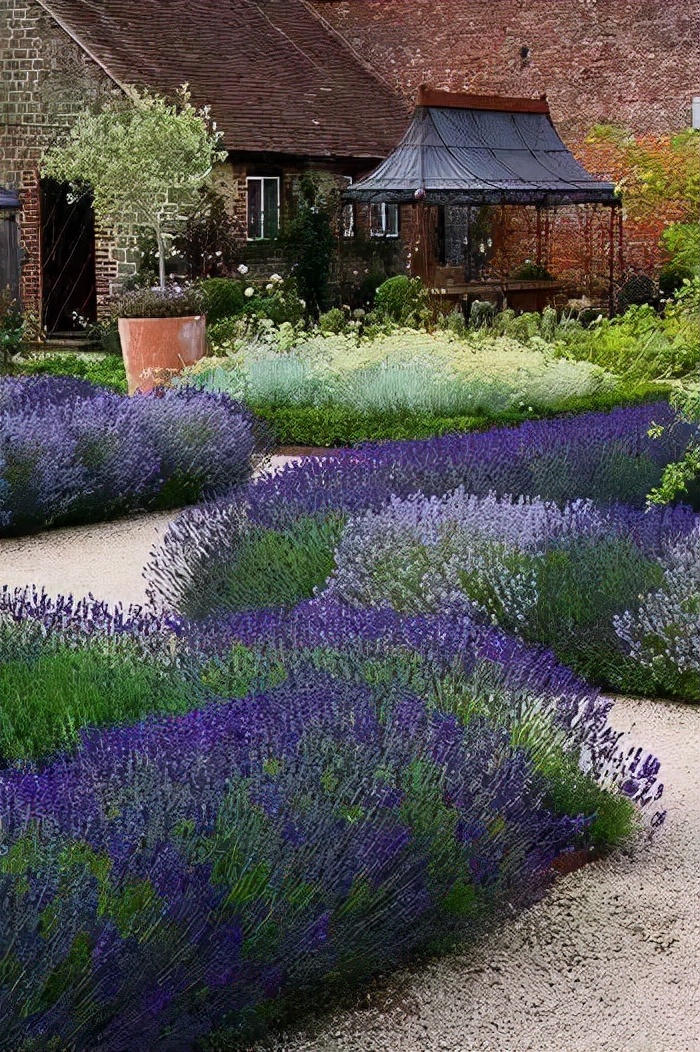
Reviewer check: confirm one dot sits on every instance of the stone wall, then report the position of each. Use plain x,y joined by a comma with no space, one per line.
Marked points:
47,79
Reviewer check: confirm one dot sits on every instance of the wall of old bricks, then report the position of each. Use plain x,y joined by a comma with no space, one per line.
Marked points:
46,80
630,61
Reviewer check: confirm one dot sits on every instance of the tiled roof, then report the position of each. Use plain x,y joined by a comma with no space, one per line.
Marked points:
276,77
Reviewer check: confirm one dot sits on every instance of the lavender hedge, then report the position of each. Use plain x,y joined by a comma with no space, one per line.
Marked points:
662,634
72,453
550,574
390,785
296,516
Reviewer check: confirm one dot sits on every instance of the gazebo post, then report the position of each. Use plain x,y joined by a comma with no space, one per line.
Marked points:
611,261
423,256
538,210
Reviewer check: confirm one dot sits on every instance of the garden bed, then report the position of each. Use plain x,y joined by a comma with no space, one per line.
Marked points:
281,783
74,453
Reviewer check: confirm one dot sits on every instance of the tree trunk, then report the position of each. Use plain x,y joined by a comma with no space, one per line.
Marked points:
161,258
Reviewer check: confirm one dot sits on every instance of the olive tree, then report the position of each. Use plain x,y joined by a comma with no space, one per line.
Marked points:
144,157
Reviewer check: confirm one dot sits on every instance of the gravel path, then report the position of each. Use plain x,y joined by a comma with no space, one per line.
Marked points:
608,962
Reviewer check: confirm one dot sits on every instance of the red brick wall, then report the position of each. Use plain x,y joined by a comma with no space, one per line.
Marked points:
634,62
630,61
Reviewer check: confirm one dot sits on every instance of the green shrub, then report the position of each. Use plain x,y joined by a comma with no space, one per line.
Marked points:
402,300
332,425
640,345
333,321
222,298
106,372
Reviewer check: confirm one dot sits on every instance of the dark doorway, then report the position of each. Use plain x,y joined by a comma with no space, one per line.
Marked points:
68,258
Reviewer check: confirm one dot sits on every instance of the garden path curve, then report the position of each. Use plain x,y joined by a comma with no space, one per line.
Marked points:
608,962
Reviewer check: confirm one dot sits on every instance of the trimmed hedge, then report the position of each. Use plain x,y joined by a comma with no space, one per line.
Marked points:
337,426
73,453
351,788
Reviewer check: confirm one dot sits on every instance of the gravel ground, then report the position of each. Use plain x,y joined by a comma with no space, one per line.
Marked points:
608,962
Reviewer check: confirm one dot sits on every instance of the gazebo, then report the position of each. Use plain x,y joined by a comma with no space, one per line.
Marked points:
463,152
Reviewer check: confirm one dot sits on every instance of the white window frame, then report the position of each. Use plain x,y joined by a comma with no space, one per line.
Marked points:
262,179
347,215
383,215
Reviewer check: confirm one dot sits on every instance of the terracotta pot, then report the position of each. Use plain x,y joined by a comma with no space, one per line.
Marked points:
155,349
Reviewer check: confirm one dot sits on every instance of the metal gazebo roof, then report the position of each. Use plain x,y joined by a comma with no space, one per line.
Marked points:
481,150
8,199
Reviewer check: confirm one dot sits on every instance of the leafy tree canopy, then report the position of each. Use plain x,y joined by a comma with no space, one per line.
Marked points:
145,159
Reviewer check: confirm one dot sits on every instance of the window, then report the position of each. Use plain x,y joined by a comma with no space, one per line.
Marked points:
384,220
263,207
348,214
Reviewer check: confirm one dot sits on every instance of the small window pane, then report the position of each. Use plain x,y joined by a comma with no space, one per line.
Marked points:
349,220
392,220
376,220
255,219
271,208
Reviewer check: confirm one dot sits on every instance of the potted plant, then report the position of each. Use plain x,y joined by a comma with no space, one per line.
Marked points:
161,331
145,160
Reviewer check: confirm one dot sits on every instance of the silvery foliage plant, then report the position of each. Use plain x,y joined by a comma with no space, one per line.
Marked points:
663,635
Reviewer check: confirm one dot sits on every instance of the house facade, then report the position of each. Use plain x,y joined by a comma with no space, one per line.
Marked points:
299,85
287,92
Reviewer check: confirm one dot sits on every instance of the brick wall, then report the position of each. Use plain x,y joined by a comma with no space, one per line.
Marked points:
630,61
634,62
47,79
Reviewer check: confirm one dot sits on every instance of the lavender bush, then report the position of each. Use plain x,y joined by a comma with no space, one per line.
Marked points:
553,575
72,453
602,457
404,782
663,634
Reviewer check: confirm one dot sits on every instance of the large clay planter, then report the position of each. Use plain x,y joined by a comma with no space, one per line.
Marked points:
155,349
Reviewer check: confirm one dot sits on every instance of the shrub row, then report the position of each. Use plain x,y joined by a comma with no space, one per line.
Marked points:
74,453
344,788
337,426
295,516
557,570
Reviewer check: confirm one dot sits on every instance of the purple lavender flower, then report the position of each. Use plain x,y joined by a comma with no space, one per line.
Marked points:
602,457
71,452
